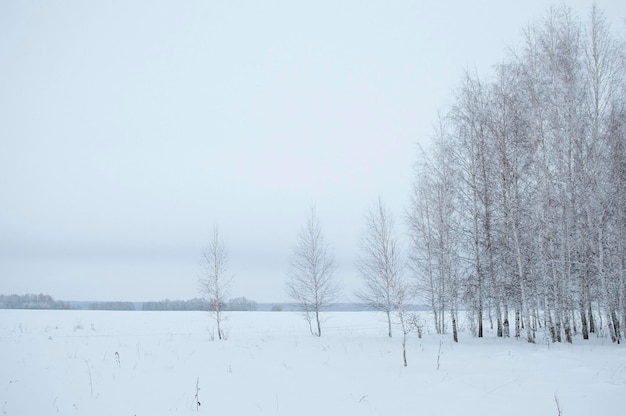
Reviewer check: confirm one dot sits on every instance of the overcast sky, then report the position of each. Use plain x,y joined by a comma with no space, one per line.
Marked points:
129,128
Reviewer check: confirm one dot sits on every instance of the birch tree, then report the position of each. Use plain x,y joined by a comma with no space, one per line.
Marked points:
401,292
312,283
213,281
433,221
475,152
514,192
603,207
380,263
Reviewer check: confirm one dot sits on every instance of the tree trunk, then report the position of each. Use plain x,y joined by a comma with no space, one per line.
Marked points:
567,328
530,336
583,322
218,320
480,317
592,322
455,334
404,349
317,320
614,326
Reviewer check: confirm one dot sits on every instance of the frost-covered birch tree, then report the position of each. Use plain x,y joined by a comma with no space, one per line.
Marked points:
380,263
312,283
433,223
213,281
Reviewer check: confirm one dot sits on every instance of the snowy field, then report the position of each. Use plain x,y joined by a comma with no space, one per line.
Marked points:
148,363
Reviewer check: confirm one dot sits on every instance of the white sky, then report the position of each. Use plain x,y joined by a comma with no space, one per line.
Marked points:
129,128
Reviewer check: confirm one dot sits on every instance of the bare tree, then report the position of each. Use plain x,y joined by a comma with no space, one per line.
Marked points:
475,157
604,202
214,282
434,224
311,277
380,263
422,252
402,295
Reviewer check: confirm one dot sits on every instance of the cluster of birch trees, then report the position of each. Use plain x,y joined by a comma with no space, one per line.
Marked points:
518,210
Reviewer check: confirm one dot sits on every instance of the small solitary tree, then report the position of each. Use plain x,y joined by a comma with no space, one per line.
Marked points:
213,281
380,263
405,320
311,277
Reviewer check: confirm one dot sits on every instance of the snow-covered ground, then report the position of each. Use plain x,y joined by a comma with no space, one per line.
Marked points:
148,363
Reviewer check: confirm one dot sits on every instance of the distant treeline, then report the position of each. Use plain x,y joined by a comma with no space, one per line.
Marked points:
41,301
112,306
197,304
31,301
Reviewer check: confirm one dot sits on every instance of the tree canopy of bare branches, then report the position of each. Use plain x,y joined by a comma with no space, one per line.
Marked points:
380,263
213,281
311,282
